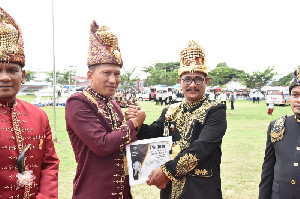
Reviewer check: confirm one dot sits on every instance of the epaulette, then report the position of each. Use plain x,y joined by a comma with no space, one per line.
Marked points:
278,129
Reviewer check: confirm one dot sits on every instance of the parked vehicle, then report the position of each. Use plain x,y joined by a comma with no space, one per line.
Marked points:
152,93
144,95
279,94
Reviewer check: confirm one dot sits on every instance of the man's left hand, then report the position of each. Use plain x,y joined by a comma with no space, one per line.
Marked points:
158,178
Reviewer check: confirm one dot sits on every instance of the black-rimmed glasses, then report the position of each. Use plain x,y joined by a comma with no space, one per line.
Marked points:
197,80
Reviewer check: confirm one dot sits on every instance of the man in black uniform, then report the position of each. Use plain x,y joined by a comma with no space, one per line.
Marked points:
280,176
197,127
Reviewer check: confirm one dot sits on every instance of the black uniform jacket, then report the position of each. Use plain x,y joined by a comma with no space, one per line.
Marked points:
281,168
197,130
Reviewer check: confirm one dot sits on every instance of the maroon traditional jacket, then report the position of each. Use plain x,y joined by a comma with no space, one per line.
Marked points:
20,125
98,135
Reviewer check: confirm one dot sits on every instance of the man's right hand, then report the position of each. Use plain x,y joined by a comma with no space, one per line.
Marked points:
131,112
139,118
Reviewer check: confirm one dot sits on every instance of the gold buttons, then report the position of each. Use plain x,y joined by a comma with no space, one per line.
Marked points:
298,148
293,182
295,164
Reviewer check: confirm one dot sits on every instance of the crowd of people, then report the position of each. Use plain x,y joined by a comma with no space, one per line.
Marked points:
168,97
125,99
99,131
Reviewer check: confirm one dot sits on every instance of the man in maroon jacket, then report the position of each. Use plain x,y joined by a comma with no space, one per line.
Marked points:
29,165
96,126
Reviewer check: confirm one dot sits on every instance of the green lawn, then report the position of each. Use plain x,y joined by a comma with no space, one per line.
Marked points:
243,149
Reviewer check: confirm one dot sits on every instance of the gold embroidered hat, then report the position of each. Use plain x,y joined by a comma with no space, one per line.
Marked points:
11,41
103,47
192,59
295,79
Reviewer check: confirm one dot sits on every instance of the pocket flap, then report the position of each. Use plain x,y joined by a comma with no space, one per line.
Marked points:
275,187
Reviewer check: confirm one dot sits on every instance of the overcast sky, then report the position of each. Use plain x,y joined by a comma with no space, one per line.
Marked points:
248,35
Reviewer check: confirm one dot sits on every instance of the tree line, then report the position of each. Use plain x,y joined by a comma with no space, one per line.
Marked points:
167,74
64,77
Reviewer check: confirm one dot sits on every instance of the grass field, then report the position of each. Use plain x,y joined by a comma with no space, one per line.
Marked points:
243,149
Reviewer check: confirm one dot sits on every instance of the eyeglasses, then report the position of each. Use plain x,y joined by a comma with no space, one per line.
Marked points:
197,80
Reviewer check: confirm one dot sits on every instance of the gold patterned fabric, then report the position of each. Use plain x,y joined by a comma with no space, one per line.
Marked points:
186,163
103,47
297,118
278,130
193,59
21,125
11,41
184,119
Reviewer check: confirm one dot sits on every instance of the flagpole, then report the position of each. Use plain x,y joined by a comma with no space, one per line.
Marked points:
54,81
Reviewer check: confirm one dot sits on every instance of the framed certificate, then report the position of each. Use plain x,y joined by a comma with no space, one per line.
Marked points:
145,155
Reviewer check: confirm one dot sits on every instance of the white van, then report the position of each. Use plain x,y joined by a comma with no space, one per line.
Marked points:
143,95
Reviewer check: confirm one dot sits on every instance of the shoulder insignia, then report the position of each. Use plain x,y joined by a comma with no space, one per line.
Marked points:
278,129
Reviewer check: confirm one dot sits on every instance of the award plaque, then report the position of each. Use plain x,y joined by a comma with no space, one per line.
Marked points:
145,155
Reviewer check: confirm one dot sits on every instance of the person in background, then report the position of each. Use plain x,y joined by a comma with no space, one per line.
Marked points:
257,94
29,164
159,97
271,106
280,175
170,94
254,97
211,96
223,98
165,97
96,127
232,99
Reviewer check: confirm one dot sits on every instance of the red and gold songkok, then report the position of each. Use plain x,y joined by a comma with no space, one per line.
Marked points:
103,47
192,59
11,42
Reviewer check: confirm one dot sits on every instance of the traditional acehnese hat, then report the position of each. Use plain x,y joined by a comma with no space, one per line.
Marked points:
295,79
103,47
193,59
11,41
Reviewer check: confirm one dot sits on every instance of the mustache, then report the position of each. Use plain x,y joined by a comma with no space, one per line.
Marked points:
193,89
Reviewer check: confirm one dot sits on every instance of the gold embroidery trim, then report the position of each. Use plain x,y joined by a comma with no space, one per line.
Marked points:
177,188
186,163
278,129
167,173
20,139
41,144
298,120
177,185
184,120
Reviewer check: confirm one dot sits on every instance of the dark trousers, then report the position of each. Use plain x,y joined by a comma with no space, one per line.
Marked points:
232,105
161,101
170,100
